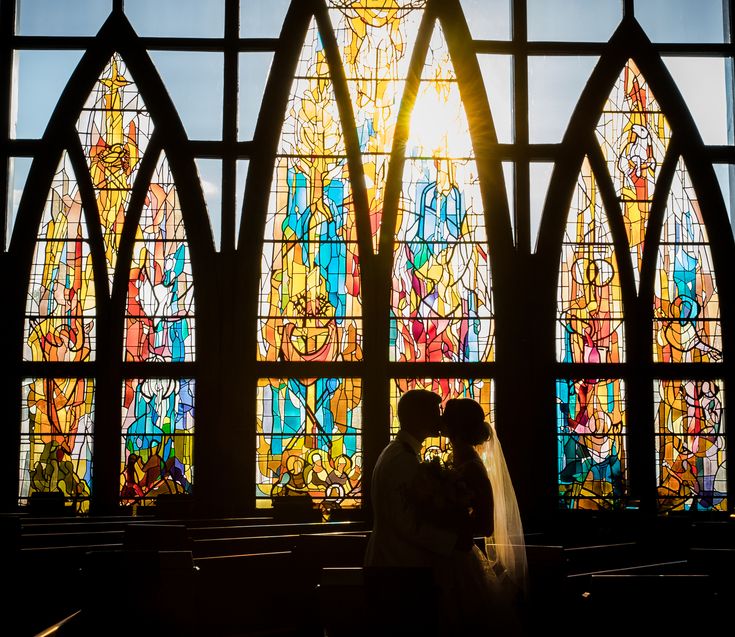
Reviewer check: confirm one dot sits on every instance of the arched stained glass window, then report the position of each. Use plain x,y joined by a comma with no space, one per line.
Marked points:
58,413
368,206
375,42
689,423
590,412
686,306
159,325
114,129
158,413
441,301
589,303
310,300
441,296
634,136
61,303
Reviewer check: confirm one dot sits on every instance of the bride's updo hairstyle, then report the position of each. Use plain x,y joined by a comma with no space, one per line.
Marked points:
464,420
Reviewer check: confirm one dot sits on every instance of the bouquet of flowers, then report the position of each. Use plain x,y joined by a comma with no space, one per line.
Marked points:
439,495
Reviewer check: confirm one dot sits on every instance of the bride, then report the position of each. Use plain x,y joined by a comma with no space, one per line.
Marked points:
482,589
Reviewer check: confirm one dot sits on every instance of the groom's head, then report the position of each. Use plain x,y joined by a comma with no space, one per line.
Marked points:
419,413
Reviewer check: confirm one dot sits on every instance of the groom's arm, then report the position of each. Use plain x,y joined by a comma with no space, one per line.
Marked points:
405,518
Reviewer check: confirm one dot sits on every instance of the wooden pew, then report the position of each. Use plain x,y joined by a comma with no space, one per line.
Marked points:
342,604
581,583
134,591
259,594
598,557
223,546
74,538
719,564
358,601
51,526
315,551
275,528
713,534
618,602
161,537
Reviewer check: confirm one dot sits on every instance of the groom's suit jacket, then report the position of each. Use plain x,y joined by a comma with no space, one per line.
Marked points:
398,538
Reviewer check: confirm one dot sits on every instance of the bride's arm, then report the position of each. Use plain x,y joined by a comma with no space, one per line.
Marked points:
482,499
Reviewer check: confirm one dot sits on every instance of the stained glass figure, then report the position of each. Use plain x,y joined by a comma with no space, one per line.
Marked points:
56,439
310,296
114,128
159,325
634,136
481,390
375,41
157,438
61,304
686,305
309,441
591,433
441,302
589,297
690,445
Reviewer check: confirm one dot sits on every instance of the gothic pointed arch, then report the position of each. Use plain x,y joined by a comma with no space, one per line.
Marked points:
373,235
441,305
375,45
590,329
91,227
634,136
160,319
60,327
664,273
310,302
114,129
689,418
441,296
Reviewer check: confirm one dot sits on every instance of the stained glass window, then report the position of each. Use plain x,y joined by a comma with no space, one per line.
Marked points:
589,304
686,306
690,445
376,40
441,302
634,135
56,439
157,438
61,303
591,430
383,69
58,413
159,325
310,298
114,129
309,441
481,390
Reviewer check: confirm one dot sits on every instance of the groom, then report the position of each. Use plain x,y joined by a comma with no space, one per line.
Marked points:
403,550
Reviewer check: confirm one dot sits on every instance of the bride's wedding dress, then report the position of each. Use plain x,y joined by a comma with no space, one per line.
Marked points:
483,589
